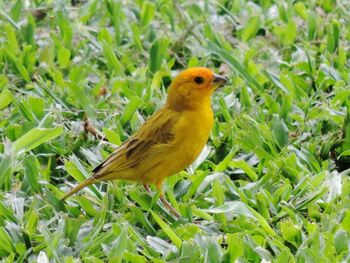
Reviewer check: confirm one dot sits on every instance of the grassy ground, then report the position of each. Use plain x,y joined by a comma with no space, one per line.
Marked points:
271,185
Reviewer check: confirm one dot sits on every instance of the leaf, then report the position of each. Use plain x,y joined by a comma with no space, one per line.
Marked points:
244,98
137,236
290,232
7,213
112,60
31,222
6,244
31,173
147,14
6,169
15,60
5,98
157,53
333,36
42,257
251,28
168,231
240,208
290,32
35,137
29,31
112,136
63,57
208,180
210,248
65,27
280,131
245,167
235,246
344,153
311,26
224,164
160,245
234,207
120,244
233,63
71,228
15,12
341,240
334,183
190,252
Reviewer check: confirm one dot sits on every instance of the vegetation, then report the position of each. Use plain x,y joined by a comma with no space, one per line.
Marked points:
272,184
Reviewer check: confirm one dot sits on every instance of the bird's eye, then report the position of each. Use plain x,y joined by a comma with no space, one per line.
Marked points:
198,80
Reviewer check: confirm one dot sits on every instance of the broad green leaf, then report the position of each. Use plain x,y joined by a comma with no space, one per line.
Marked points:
16,10
6,169
130,109
233,207
167,229
311,26
235,246
157,54
6,244
72,227
5,98
7,213
333,36
290,232
280,131
245,167
113,62
35,137
147,14
15,60
233,63
210,248
63,57
290,32
240,208
251,28
341,239
32,172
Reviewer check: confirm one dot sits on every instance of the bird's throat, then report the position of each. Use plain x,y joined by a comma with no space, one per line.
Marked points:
183,103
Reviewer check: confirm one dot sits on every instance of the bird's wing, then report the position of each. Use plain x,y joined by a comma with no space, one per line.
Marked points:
145,148
155,131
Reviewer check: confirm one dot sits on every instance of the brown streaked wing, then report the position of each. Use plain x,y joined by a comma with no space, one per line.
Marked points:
157,130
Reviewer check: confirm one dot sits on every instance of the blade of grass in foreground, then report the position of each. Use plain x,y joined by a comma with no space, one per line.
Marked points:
240,208
35,137
170,233
233,63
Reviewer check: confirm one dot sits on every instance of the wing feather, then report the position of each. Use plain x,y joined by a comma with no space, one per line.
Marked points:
157,130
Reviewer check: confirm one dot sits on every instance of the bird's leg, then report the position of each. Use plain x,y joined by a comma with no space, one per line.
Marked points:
89,128
147,188
169,206
165,202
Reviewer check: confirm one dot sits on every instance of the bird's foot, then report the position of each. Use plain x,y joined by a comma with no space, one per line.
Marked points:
169,206
165,202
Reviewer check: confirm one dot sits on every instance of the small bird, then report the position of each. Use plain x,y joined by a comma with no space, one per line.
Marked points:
167,142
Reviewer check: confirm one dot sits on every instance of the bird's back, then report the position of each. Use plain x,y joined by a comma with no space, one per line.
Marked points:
166,144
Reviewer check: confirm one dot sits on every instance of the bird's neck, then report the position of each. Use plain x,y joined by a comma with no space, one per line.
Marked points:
182,103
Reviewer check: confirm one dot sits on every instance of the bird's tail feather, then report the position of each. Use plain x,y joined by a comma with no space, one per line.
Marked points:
91,180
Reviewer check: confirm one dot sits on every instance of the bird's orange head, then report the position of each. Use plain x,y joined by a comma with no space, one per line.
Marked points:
192,88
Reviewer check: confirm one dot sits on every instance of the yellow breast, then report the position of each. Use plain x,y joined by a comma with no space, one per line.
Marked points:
191,135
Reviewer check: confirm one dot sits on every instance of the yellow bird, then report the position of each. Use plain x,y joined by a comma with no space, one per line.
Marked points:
170,140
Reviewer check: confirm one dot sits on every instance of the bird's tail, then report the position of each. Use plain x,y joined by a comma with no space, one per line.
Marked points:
86,182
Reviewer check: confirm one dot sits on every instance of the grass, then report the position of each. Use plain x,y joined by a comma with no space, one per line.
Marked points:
272,183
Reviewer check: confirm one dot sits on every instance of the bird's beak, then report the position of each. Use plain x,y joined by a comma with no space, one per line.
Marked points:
219,80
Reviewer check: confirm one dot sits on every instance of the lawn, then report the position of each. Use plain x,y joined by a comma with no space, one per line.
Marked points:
272,184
